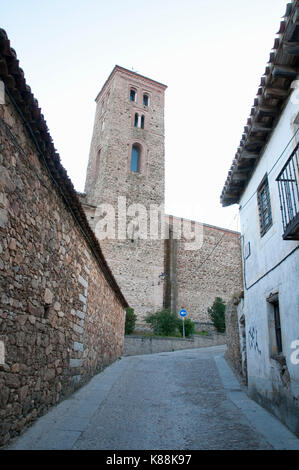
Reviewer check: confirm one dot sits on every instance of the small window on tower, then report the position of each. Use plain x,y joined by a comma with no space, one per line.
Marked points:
132,95
145,100
142,122
136,120
135,158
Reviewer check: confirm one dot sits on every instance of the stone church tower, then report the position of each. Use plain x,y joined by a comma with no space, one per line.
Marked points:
125,169
124,189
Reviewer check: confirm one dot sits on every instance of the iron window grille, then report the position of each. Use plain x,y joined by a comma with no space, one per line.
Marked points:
264,205
277,327
288,186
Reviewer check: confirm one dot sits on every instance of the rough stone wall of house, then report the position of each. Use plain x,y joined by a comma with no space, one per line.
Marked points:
213,270
60,321
135,262
233,352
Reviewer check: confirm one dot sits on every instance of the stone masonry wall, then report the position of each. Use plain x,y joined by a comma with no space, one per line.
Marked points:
60,321
213,270
135,345
233,352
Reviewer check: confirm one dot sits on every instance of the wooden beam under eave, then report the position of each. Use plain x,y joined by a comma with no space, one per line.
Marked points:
292,50
291,47
256,101
276,43
229,202
259,127
275,92
239,177
267,111
244,169
254,146
236,186
254,140
290,30
249,155
296,17
284,71
229,195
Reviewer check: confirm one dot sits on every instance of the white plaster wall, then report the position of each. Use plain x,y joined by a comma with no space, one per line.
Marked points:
267,252
284,280
271,248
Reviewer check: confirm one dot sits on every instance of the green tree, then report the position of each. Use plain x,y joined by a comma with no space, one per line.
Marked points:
217,314
163,323
189,327
130,321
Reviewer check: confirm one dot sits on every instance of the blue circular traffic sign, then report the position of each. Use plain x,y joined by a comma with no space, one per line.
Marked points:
183,313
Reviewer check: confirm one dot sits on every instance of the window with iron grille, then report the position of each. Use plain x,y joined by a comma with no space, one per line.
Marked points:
288,187
277,327
275,337
264,205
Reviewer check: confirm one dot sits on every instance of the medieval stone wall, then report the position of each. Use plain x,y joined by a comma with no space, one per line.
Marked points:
60,321
213,270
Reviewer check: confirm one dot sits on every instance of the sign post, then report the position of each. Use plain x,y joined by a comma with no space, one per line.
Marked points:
183,314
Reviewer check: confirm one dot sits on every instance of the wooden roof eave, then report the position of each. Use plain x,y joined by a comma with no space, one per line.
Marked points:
271,98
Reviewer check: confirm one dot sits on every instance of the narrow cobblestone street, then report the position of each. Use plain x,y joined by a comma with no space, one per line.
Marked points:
183,400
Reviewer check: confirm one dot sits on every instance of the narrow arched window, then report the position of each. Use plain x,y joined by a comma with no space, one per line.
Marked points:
142,122
135,158
145,100
132,95
136,120
97,163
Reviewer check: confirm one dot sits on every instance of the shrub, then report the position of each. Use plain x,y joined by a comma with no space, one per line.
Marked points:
130,321
189,327
163,323
217,314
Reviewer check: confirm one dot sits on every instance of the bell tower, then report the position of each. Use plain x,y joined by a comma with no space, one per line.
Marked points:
125,176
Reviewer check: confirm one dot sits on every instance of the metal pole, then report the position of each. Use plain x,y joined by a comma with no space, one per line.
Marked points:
184,327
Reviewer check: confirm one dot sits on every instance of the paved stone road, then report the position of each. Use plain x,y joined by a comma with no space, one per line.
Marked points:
182,400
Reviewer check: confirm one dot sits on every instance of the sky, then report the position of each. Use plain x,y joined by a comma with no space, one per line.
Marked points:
210,53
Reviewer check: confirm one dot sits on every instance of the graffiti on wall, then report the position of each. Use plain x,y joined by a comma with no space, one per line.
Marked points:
295,354
253,341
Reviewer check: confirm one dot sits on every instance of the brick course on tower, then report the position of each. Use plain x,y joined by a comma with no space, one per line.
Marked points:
126,166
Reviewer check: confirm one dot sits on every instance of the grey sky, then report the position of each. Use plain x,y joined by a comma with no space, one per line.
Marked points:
210,53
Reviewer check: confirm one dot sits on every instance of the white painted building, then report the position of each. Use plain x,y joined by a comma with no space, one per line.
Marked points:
264,180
